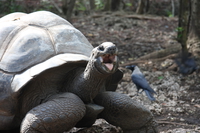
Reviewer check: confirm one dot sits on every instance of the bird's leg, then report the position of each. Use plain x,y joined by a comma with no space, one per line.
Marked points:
138,90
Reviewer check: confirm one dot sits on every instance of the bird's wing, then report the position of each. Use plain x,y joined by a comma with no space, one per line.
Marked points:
140,81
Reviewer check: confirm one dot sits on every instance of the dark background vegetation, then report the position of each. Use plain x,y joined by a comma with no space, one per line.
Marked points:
149,33
157,7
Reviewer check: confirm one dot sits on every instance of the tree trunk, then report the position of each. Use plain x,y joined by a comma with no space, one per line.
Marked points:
112,5
68,6
115,5
107,6
92,5
194,34
147,6
141,7
183,26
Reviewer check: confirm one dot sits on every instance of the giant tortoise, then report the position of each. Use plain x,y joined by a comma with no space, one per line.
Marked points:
52,79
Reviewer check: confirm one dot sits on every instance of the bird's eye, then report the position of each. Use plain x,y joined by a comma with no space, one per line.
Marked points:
101,48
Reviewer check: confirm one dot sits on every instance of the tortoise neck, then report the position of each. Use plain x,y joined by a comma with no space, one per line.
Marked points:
88,84
91,72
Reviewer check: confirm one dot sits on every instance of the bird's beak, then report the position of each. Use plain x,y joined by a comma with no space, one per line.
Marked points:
128,67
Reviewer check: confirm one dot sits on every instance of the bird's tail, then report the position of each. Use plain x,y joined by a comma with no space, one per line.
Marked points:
149,95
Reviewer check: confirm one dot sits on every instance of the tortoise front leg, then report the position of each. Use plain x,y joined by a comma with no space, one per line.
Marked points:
120,110
59,114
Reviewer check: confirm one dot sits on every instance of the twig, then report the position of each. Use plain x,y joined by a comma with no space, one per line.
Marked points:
174,123
56,6
173,8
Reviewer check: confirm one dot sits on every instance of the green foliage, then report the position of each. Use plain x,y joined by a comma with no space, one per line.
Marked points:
169,13
179,30
129,4
45,6
80,6
160,77
99,4
9,6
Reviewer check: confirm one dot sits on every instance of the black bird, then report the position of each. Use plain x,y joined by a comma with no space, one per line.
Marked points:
140,82
187,64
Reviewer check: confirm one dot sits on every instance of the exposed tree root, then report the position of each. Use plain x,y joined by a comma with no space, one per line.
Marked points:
172,56
157,56
135,16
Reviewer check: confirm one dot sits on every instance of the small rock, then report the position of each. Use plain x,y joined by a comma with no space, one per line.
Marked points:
171,103
162,98
179,110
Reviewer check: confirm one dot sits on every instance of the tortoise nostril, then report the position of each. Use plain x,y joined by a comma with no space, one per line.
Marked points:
112,50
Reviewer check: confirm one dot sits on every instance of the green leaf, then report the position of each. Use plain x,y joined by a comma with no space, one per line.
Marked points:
80,7
128,4
99,4
160,77
179,29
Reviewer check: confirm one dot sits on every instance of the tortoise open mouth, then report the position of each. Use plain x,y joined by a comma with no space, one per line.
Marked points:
108,60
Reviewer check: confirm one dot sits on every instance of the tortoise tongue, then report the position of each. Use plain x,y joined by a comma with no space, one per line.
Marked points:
109,65
108,60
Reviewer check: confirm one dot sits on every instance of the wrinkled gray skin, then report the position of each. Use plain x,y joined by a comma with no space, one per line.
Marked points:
75,93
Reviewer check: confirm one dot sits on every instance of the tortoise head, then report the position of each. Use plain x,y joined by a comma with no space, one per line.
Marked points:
104,58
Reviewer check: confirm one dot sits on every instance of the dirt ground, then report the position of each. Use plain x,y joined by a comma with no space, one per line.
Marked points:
177,105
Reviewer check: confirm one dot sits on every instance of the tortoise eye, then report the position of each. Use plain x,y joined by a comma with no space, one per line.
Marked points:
101,48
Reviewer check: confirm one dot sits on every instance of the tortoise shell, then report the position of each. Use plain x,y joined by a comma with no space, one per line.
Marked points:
32,43
29,39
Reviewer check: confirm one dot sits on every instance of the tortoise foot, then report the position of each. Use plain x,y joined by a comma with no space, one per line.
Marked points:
150,127
56,115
